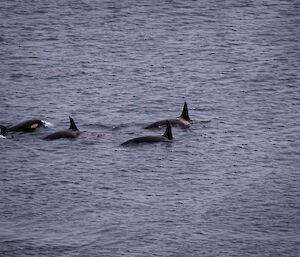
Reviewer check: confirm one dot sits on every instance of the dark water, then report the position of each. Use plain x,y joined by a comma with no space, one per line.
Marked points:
228,186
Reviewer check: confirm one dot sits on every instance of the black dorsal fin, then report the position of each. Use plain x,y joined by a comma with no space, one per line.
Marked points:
168,132
72,124
185,112
4,130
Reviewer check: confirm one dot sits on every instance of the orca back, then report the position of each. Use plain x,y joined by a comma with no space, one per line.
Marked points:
72,132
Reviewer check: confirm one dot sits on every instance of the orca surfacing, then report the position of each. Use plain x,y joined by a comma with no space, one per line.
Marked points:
72,132
183,120
166,137
24,126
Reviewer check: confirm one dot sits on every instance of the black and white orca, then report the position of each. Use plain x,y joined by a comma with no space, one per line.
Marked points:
72,132
183,120
166,137
24,126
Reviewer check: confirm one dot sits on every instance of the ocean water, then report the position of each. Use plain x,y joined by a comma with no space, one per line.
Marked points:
226,186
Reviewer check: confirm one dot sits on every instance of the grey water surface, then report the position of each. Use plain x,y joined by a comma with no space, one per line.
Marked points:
227,186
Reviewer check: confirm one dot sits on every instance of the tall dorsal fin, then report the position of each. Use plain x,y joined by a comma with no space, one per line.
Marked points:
185,112
168,132
72,124
4,130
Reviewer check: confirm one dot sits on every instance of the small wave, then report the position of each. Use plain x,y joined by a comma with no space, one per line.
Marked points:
1,136
48,124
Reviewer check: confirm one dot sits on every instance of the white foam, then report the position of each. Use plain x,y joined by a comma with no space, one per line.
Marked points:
1,136
48,124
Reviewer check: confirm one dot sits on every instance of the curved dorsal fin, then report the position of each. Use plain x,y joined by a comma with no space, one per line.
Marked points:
168,132
185,112
72,124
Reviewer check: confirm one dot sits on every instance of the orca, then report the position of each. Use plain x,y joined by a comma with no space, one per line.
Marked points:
183,120
167,136
24,126
72,132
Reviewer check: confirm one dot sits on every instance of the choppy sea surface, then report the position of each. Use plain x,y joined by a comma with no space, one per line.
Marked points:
226,186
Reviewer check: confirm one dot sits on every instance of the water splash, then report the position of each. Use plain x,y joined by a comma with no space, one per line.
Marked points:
48,124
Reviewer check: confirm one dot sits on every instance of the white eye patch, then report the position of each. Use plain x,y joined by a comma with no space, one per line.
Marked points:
35,125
